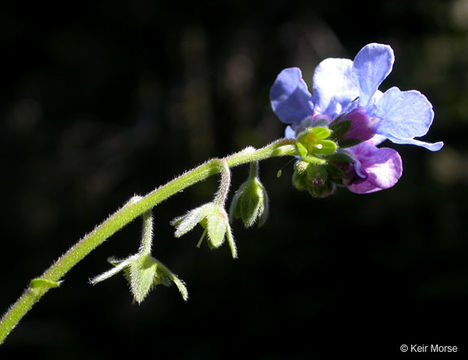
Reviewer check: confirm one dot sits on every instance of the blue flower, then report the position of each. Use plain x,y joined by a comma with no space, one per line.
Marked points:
342,85
347,90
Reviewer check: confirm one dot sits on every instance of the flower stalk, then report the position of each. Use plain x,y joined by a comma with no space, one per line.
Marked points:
127,213
225,183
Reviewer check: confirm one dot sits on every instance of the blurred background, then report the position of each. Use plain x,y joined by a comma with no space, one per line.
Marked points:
103,100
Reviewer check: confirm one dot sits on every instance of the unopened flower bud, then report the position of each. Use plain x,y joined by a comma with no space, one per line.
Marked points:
250,202
313,178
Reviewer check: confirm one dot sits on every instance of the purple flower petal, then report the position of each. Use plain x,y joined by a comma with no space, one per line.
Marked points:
404,115
290,99
334,86
362,125
382,167
371,66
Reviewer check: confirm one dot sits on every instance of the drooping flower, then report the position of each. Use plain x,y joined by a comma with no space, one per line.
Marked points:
214,219
143,273
345,92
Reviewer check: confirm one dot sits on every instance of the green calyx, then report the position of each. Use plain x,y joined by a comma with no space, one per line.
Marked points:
313,143
339,128
214,219
143,273
313,178
320,180
322,159
250,203
146,272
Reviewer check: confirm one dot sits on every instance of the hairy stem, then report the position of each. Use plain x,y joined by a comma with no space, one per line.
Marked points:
225,183
131,210
147,233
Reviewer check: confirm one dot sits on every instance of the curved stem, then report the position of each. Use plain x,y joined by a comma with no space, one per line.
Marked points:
225,182
131,210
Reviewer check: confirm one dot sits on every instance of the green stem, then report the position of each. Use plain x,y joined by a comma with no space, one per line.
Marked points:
131,210
225,183
253,173
147,233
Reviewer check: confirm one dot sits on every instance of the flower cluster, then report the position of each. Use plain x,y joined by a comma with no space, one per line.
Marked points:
345,100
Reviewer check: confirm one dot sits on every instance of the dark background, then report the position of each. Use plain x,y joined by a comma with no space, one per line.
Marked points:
105,100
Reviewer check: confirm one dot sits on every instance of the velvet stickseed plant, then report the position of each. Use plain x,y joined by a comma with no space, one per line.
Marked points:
333,135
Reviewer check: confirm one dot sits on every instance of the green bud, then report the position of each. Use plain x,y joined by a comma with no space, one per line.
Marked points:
250,202
317,175
335,174
299,177
313,178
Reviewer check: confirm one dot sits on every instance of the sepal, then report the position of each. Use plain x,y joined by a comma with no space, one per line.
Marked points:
339,128
146,273
313,143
